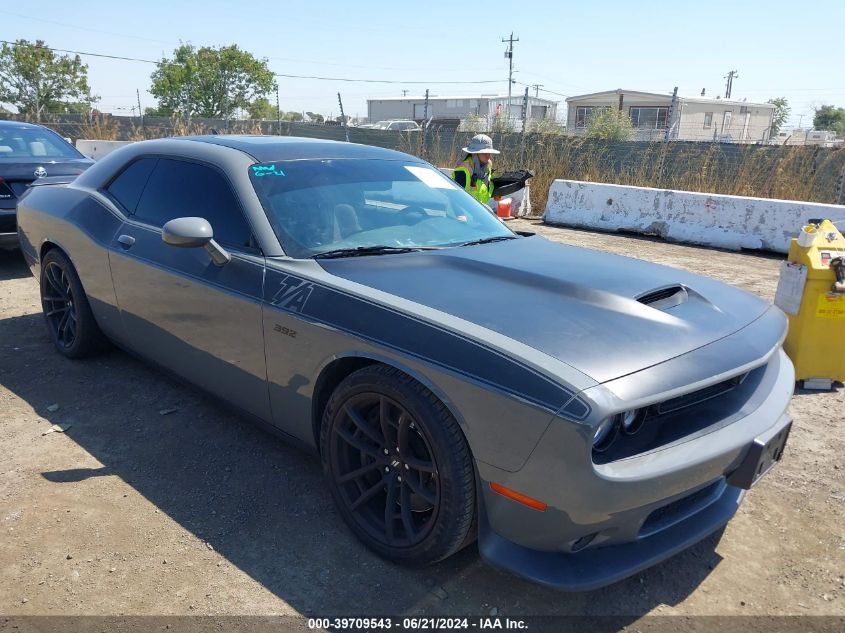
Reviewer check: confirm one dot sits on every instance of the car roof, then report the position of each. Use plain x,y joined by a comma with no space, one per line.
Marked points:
271,148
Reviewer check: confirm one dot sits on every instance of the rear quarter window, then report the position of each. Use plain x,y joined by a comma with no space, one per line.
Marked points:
127,187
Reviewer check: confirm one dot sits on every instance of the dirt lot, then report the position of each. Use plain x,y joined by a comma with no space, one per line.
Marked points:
199,512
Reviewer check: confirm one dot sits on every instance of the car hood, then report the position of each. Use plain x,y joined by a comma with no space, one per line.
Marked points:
577,305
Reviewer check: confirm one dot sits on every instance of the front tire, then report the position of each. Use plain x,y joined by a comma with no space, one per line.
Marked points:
398,467
67,313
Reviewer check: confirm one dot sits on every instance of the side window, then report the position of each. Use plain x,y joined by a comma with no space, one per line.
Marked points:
179,189
127,187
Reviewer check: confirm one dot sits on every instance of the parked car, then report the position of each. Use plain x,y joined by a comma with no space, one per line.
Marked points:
583,415
398,126
28,152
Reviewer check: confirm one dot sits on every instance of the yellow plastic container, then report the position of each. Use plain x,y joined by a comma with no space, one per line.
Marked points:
816,339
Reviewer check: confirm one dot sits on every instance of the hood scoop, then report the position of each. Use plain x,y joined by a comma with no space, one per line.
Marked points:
664,298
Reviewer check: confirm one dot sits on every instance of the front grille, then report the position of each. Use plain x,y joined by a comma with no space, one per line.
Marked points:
685,417
682,508
697,397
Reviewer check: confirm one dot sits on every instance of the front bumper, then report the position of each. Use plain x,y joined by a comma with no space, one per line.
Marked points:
594,568
608,521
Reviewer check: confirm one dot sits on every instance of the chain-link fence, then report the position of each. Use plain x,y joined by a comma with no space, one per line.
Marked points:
788,172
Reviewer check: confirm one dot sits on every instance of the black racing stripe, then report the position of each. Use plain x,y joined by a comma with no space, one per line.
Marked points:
406,333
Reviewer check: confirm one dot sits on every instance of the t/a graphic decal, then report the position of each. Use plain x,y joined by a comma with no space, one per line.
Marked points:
292,294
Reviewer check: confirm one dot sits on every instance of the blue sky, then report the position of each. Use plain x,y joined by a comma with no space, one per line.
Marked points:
779,48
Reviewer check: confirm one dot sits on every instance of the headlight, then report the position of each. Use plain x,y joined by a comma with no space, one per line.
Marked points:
605,433
631,421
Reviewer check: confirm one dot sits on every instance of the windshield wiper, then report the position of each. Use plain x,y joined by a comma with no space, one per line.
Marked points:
358,251
487,240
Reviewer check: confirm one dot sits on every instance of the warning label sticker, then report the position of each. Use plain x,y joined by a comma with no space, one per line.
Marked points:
831,306
826,256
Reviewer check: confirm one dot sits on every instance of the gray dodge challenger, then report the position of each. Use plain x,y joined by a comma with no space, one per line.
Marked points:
581,415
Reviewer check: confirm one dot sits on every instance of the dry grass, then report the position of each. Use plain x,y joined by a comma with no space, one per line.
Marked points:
786,172
792,173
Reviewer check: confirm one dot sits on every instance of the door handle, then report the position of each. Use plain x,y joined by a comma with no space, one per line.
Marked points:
126,241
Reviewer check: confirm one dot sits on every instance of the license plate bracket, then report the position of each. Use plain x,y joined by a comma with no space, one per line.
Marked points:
765,451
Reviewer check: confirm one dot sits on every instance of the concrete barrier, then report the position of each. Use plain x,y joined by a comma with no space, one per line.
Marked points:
732,222
98,149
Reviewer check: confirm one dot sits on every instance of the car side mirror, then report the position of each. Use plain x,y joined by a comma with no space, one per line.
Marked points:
193,233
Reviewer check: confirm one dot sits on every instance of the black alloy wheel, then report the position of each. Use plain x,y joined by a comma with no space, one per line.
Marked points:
67,313
58,303
385,469
398,466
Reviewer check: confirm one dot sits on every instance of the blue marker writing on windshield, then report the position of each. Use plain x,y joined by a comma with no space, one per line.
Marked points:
266,170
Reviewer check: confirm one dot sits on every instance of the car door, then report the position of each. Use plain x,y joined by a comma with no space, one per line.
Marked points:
201,320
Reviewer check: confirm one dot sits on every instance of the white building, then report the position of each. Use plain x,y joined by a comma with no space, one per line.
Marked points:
456,108
691,119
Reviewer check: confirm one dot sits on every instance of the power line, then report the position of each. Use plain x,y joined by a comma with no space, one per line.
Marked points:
64,50
388,81
84,28
289,76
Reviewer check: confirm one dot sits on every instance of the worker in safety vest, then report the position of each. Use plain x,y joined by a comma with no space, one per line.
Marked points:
475,172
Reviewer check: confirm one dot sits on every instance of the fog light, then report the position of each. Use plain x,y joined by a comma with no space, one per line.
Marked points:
632,421
605,433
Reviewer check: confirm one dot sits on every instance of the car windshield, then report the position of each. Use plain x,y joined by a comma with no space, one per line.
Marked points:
38,143
318,206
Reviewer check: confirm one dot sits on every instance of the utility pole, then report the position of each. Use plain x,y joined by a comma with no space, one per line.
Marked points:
509,57
225,102
140,111
343,117
525,111
671,114
537,89
524,124
278,112
729,86
425,122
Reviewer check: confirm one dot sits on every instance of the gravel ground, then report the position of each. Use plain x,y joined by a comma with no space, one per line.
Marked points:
156,500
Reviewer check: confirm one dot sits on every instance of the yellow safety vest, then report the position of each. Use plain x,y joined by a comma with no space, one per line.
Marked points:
479,191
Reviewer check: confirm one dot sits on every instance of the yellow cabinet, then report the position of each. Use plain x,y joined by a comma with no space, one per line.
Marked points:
815,304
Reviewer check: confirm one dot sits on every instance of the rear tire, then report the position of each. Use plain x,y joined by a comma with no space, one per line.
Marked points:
67,312
398,467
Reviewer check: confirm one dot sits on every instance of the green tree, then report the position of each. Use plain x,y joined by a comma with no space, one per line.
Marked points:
830,117
73,107
319,118
292,116
780,115
611,124
160,112
210,82
261,108
36,80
